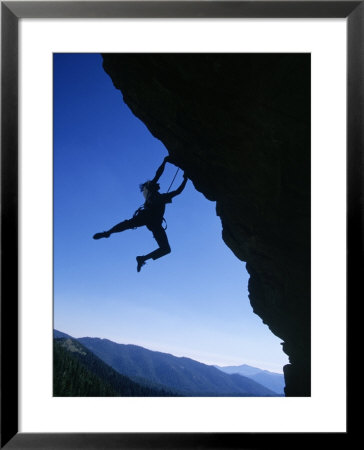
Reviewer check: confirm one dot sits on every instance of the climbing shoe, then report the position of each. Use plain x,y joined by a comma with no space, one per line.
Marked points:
104,234
140,263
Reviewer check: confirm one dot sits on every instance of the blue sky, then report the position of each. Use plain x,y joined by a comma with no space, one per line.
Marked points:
192,302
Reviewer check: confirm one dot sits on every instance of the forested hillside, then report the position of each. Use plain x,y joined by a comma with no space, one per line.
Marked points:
77,372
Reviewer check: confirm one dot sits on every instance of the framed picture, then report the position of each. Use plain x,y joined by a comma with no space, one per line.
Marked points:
247,105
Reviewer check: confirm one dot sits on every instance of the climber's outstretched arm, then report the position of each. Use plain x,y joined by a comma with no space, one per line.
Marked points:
180,188
160,169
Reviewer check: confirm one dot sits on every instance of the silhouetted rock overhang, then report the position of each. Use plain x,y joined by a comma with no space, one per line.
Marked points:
239,126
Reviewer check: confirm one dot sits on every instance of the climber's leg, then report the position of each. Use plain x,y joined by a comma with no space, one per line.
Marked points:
129,224
164,248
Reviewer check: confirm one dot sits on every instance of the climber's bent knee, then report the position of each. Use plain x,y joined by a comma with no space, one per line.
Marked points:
162,251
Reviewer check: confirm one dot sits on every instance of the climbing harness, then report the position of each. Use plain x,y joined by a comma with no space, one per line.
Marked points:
140,209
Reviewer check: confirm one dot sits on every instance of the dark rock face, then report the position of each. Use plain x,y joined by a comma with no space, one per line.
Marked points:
239,126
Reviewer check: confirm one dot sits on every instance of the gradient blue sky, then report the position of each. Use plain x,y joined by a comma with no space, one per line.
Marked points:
194,301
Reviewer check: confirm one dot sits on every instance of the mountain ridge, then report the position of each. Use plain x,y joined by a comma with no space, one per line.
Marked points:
78,372
181,374
272,380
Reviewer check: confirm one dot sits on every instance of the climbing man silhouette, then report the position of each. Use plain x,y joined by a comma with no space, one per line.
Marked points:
150,215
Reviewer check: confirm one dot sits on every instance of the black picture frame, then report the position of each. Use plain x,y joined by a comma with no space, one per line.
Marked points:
11,12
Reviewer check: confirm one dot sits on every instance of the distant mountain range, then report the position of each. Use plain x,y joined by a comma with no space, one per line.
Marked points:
271,380
165,372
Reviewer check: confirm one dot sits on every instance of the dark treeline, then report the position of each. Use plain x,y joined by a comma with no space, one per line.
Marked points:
77,372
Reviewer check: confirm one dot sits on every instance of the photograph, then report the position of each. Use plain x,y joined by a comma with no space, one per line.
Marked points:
181,224
181,213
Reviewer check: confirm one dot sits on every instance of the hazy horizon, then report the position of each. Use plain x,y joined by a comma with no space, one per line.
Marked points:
209,363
